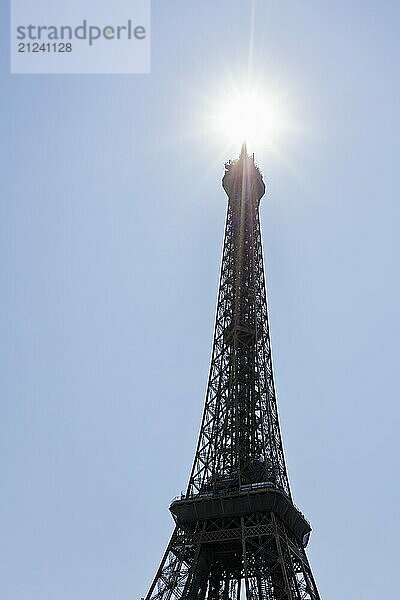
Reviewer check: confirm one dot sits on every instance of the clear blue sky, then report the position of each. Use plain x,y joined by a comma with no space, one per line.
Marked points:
111,224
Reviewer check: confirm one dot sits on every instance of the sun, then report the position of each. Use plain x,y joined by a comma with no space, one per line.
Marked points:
248,117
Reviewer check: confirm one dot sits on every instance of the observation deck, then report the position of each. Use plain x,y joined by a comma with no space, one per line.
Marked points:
257,497
242,179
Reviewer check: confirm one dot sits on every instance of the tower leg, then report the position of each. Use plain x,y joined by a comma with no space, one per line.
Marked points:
275,566
197,582
179,568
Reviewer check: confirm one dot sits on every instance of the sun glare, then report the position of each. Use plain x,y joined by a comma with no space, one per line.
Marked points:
248,117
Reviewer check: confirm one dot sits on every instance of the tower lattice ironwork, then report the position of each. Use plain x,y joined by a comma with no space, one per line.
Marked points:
237,531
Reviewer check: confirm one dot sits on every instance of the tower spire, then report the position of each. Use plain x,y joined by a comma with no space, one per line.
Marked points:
237,521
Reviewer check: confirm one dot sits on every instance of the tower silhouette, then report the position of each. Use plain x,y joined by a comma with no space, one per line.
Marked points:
237,531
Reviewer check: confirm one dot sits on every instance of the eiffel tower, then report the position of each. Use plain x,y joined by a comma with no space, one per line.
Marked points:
237,531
